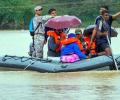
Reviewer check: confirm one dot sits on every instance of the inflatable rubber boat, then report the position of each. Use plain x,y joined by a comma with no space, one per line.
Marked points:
54,64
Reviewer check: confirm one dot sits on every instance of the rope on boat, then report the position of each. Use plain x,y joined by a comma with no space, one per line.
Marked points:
29,65
24,59
6,57
116,59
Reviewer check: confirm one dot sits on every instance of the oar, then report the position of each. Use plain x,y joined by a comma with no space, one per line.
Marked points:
112,53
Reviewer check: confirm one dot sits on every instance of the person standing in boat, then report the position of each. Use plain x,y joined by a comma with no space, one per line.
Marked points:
103,27
37,31
52,12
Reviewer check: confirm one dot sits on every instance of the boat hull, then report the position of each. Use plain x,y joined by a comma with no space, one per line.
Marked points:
50,65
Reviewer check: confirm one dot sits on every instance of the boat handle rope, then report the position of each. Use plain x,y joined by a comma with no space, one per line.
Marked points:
6,57
24,59
33,61
115,58
29,65
64,66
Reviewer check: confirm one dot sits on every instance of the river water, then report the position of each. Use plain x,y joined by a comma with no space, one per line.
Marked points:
30,85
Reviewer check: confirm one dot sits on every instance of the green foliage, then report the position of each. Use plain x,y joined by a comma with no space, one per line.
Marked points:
12,13
15,14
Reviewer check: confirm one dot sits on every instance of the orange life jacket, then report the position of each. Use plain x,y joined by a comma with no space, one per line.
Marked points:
71,40
93,46
57,38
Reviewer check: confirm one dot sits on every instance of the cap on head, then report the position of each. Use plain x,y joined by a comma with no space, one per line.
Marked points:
78,31
38,8
71,35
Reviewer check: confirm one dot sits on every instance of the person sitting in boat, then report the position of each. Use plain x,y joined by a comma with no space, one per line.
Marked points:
54,44
80,36
70,51
85,40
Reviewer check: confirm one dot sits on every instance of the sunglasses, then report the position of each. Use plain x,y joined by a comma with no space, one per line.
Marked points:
39,9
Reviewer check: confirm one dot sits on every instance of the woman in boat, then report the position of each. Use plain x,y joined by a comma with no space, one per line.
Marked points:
70,51
54,44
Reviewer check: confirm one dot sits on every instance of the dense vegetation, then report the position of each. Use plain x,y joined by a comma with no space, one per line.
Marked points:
15,14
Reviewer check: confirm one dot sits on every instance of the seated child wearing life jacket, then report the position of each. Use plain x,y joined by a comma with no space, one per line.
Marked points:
70,52
85,39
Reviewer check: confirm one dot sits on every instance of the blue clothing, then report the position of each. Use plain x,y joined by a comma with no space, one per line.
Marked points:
103,26
108,21
72,48
31,28
71,35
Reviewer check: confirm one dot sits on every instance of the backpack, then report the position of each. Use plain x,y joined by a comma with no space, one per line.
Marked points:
31,27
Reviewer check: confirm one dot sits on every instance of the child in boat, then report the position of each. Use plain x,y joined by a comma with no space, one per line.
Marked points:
85,40
80,36
70,51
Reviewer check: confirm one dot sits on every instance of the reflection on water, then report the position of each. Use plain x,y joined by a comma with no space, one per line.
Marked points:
24,85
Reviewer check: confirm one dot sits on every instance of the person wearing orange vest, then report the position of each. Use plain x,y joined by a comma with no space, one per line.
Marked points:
85,43
54,44
70,51
80,36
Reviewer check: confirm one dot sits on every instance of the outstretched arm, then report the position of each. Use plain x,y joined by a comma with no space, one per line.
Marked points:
115,16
